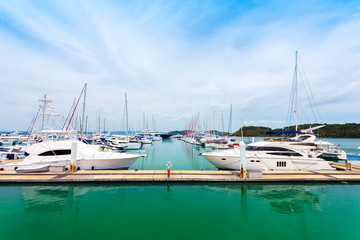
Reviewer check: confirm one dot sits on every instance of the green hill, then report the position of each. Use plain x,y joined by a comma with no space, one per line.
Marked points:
347,130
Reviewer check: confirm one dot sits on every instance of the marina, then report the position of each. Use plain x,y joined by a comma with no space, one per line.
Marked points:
161,176
188,166
189,120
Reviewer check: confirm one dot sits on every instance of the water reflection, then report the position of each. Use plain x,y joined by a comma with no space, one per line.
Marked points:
49,199
189,150
168,194
192,152
289,198
282,198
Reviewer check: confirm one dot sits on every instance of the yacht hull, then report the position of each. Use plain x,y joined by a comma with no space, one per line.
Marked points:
81,164
59,154
230,160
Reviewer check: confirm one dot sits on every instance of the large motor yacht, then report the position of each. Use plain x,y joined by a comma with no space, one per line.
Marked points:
268,156
322,149
58,153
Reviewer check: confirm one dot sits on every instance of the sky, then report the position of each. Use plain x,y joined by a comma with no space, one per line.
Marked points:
179,59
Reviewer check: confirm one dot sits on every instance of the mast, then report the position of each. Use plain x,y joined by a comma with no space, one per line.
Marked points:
47,111
43,114
230,120
99,125
222,121
83,113
144,121
296,93
126,114
86,124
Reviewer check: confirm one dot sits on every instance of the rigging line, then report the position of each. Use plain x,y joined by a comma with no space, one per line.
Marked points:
74,109
311,94
307,95
291,101
33,124
304,114
27,130
69,113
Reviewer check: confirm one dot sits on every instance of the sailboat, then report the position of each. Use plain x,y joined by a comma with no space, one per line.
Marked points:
125,142
323,149
301,152
58,150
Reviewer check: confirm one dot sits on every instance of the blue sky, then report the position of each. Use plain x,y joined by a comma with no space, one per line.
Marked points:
179,58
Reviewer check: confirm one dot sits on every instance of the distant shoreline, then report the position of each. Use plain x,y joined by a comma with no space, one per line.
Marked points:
346,131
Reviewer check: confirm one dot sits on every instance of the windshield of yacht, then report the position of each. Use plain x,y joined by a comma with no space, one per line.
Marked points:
277,149
302,138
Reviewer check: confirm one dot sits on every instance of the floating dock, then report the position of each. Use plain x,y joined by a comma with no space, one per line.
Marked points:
342,174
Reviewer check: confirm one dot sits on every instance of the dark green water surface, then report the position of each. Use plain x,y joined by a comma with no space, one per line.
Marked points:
213,211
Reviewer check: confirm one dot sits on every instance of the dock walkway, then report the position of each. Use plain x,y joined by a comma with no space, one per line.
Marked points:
181,176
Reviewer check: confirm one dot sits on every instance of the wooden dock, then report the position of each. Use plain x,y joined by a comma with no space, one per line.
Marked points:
180,176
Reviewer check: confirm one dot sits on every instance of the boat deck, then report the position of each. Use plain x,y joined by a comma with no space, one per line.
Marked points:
154,176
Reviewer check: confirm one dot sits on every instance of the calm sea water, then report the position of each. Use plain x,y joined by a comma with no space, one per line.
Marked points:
181,211
184,156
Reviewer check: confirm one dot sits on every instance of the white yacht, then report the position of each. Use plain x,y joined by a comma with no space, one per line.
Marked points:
322,149
124,143
177,136
58,153
268,156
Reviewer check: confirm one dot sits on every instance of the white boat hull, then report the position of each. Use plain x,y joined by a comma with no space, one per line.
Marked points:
230,160
87,158
81,164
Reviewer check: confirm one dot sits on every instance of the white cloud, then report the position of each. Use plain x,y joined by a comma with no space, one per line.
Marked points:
168,69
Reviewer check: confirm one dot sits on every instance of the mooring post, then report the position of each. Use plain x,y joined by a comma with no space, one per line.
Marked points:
73,156
168,166
242,148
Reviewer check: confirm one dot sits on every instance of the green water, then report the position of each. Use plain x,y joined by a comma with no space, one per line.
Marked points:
183,156
180,211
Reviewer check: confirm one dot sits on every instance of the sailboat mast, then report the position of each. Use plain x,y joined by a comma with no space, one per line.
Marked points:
83,113
126,113
144,121
99,124
230,120
296,92
86,124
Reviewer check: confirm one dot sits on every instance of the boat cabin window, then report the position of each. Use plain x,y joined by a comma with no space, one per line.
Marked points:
292,154
302,138
56,152
277,149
